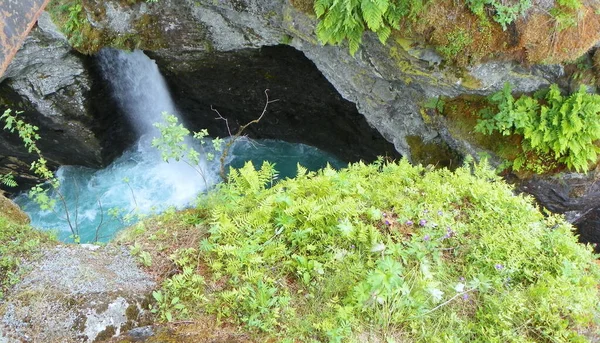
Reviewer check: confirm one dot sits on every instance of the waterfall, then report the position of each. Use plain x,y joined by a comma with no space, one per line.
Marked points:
138,87
101,202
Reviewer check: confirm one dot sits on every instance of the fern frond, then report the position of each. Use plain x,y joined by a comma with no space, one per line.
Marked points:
8,180
383,34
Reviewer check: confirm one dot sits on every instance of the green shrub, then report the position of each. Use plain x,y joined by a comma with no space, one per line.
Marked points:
389,249
565,127
565,13
505,13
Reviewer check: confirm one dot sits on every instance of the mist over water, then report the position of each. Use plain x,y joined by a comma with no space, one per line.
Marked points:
99,202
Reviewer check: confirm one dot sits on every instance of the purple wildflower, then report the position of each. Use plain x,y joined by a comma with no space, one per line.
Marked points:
409,222
465,296
422,222
387,222
384,215
426,238
462,278
440,213
499,266
449,233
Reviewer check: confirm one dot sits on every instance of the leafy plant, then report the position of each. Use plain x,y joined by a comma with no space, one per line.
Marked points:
45,194
457,41
565,13
8,180
436,103
387,249
348,19
173,146
505,12
564,127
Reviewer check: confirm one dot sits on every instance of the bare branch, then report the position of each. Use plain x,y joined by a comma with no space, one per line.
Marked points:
222,118
96,237
230,143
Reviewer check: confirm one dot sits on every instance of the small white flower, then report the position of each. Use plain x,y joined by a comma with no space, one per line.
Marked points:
460,287
377,247
436,294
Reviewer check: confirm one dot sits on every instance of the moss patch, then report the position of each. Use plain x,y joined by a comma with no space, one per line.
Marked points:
543,41
438,154
464,38
305,6
72,20
12,212
106,334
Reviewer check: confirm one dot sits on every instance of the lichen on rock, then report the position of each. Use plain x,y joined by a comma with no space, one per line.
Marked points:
74,294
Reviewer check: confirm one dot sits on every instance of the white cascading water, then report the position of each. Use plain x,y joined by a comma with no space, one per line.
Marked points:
138,86
139,182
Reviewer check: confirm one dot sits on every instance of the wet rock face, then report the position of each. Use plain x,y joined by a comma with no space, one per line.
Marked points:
386,82
308,109
575,195
56,91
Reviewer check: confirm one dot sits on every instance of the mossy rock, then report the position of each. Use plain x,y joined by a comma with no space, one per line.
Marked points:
12,212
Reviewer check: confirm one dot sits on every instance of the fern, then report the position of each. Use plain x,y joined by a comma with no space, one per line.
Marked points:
565,127
348,19
8,180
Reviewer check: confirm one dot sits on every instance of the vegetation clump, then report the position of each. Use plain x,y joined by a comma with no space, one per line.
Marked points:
563,128
475,28
18,242
73,19
386,250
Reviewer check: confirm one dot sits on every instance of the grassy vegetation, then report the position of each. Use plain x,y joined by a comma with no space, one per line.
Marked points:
386,252
18,241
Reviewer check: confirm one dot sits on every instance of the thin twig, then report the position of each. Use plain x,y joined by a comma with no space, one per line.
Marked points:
239,133
76,202
132,194
74,230
449,300
222,118
101,221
